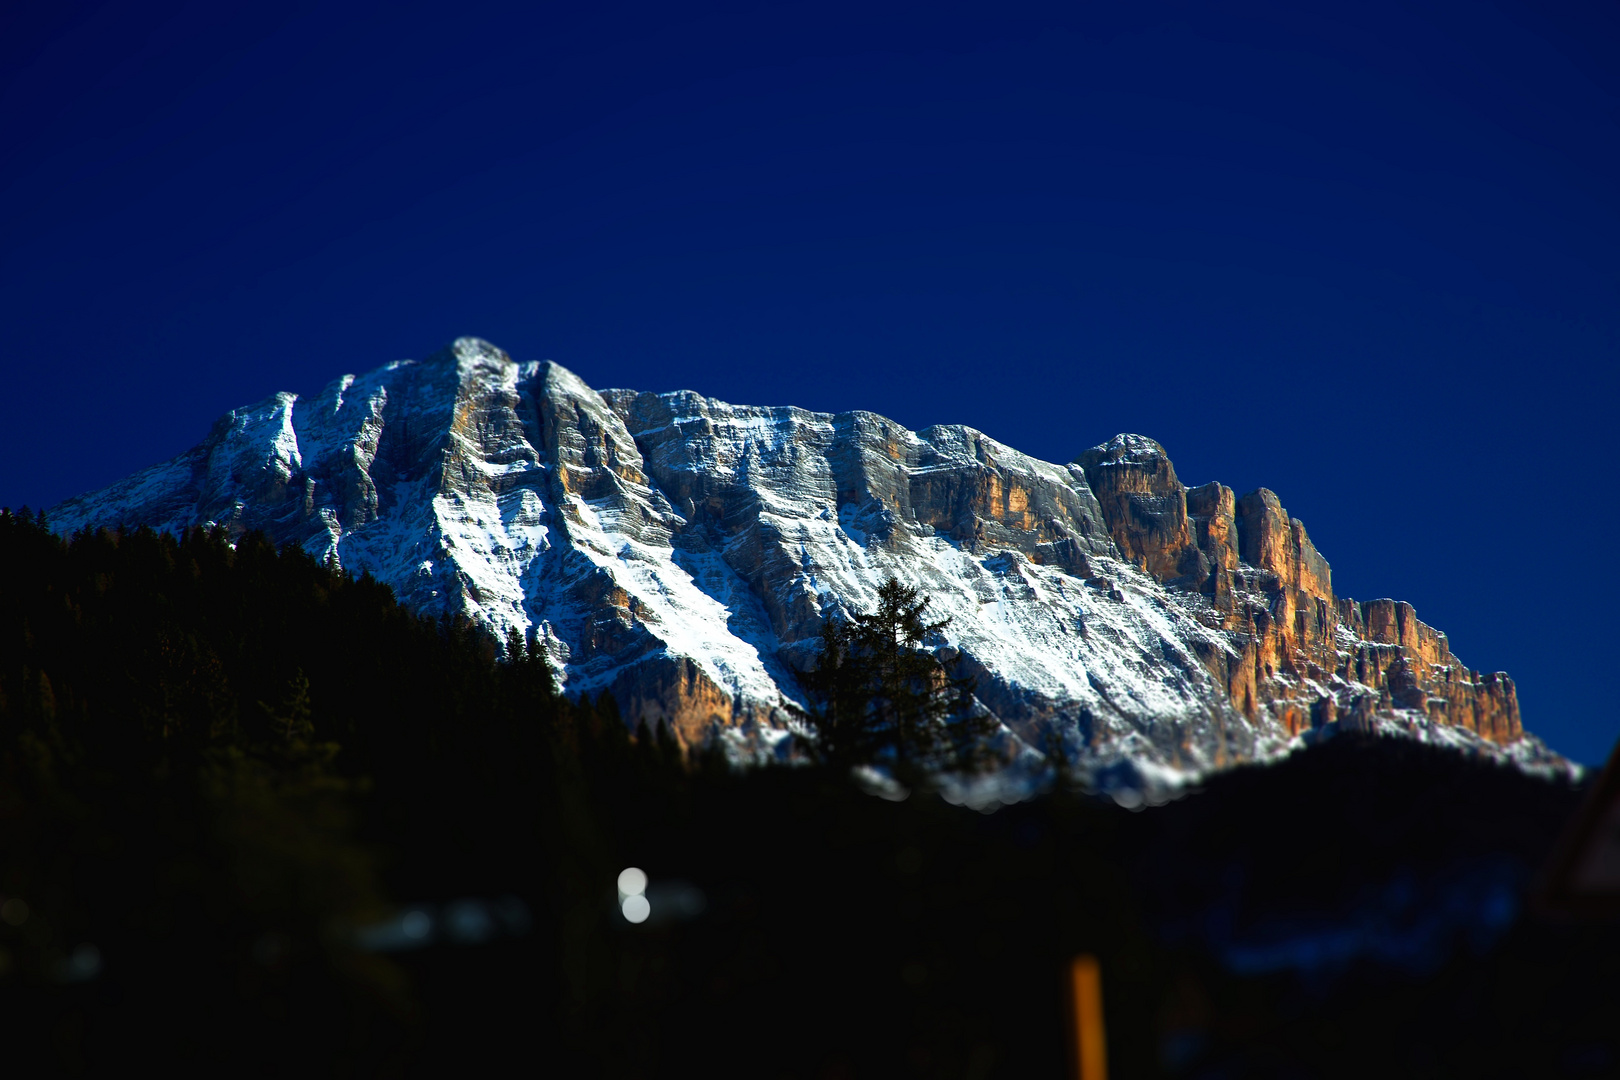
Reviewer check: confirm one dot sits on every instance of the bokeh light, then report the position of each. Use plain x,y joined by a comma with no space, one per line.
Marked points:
81,965
416,924
635,908
469,921
632,882
14,911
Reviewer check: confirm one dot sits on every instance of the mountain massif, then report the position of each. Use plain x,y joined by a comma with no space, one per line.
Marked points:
681,553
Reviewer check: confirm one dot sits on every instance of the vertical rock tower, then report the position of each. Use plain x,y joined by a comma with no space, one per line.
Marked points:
1297,653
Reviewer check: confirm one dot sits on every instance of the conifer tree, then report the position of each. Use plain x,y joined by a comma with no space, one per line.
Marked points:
879,697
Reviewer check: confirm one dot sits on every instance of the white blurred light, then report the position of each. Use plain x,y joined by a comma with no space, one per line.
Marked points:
1129,798
635,908
632,882
416,924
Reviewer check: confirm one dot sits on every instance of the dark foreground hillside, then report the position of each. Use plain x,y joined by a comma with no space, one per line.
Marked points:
254,816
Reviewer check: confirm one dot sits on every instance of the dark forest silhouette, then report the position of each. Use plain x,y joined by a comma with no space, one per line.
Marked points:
217,761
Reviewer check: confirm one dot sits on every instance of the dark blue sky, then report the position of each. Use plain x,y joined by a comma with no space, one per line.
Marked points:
1367,255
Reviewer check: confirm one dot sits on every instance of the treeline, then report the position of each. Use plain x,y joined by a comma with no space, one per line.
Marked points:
216,759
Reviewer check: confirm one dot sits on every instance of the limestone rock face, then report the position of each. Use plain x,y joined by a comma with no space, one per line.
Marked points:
1297,653
681,554
1144,505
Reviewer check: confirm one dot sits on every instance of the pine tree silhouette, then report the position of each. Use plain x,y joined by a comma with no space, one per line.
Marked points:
879,697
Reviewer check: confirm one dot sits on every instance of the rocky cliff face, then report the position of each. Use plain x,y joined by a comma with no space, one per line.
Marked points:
1297,653
681,553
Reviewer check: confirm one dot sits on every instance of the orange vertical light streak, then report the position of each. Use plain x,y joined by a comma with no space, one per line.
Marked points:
1090,1044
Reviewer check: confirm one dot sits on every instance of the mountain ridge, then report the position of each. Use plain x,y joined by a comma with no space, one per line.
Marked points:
680,553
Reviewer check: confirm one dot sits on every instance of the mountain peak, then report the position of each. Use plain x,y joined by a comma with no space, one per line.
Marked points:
1125,448
680,552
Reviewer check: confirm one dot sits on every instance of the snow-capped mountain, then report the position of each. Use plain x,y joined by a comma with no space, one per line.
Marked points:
681,553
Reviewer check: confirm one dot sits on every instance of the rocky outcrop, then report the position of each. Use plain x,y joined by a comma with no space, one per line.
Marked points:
681,553
1411,665
1144,505
1298,653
